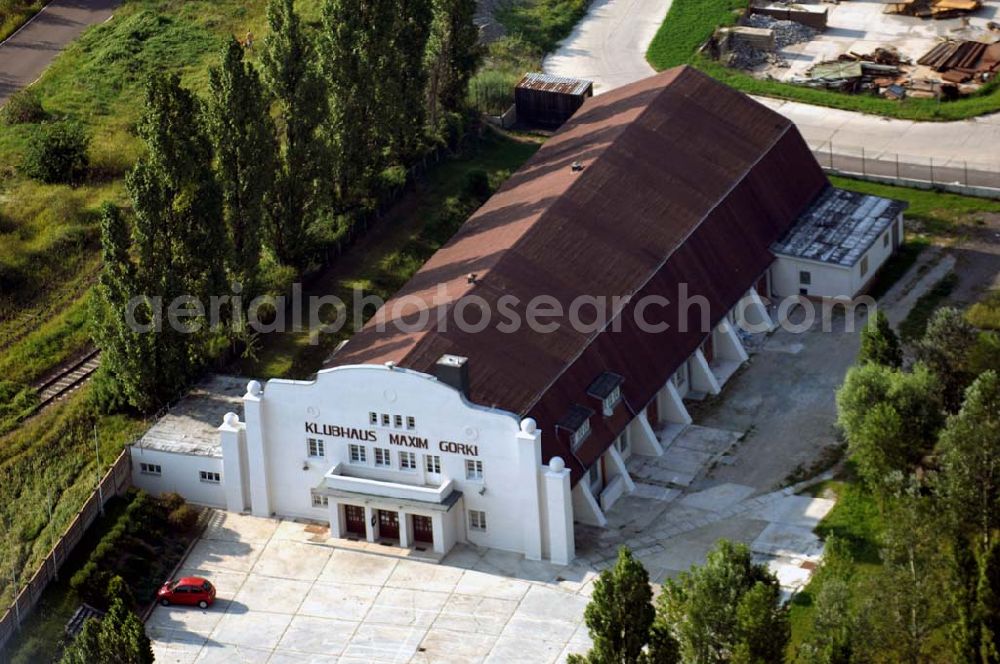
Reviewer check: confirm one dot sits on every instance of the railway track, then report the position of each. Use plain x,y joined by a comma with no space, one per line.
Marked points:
67,380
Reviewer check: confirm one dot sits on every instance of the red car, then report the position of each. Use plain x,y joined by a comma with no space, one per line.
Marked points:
191,590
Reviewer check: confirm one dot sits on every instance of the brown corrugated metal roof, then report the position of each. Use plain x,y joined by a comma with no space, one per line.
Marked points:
683,180
550,83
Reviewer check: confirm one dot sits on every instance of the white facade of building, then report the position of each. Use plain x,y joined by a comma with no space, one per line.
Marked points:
390,455
384,453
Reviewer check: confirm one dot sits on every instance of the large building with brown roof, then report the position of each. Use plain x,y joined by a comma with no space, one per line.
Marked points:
567,321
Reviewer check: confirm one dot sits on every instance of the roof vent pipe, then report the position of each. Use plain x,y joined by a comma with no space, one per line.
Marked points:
577,166
472,278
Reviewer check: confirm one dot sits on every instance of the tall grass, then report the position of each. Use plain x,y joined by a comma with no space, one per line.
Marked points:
542,23
689,23
15,13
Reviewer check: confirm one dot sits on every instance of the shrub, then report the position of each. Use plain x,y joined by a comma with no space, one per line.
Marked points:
56,153
183,518
477,184
171,500
23,107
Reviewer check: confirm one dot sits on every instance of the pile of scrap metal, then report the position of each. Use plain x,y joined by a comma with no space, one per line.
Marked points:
964,61
880,70
932,8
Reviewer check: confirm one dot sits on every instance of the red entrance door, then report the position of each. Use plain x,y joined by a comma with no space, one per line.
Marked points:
388,524
355,518
423,529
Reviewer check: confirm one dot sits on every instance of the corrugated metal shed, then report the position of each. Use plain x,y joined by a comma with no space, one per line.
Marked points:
549,101
684,181
561,84
839,227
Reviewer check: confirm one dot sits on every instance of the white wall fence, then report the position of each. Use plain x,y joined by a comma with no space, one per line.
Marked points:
114,483
959,176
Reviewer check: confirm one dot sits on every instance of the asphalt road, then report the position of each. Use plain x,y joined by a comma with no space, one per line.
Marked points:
609,46
26,54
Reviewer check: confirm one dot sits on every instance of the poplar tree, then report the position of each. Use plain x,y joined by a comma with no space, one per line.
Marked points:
173,248
118,638
969,451
946,348
879,343
354,60
292,79
243,136
404,93
728,609
620,612
452,57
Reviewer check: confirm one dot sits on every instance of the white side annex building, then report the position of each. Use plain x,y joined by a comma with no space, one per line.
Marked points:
424,437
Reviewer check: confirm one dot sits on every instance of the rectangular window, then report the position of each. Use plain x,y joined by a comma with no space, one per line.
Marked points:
477,520
385,420
398,419
320,501
864,266
382,457
885,240
612,400
581,434
473,469
317,448
210,477
411,423
373,418
433,464
680,377
622,443
150,469
407,461
805,277
358,453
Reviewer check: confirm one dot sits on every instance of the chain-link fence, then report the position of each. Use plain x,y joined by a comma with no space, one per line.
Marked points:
976,178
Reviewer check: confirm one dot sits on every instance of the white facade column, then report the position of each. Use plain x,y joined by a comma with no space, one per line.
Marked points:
672,405
585,507
617,467
404,530
529,461
752,315
260,499
232,433
559,512
702,378
336,519
371,524
728,345
437,527
642,437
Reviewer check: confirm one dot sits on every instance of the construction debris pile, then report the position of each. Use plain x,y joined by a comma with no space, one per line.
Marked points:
857,72
939,9
963,61
756,40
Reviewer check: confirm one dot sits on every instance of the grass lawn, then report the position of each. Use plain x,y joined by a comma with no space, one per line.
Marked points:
15,13
32,477
913,326
390,252
690,22
49,234
855,520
